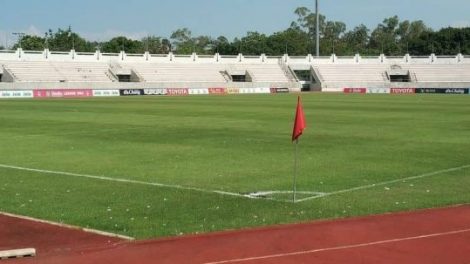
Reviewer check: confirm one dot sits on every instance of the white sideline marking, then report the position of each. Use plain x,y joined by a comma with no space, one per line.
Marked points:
89,230
385,183
248,196
172,186
265,195
305,252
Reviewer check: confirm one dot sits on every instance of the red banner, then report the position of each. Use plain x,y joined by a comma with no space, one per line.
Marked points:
217,91
177,91
355,90
402,90
62,93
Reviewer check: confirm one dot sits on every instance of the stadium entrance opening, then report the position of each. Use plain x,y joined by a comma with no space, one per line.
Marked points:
397,74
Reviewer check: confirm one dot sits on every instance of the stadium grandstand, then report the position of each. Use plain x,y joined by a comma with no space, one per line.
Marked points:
32,70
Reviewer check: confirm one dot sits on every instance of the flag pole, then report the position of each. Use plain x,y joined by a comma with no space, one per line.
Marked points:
294,186
299,126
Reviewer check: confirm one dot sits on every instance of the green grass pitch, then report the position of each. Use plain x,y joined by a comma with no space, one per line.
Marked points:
236,144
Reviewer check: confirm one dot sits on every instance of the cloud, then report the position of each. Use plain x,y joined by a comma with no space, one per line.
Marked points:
7,39
109,34
34,31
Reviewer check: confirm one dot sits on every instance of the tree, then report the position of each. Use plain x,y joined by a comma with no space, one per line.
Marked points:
29,42
154,45
254,43
166,46
66,40
357,40
121,43
204,45
408,32
292,41
444,42
384,38
223,46
307,21
182,41
331,37
392,37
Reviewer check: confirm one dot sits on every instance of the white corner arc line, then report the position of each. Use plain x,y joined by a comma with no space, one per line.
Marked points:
305,252
429,174
103,178
88,230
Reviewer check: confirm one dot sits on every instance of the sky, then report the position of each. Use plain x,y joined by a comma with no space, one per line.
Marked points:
103,19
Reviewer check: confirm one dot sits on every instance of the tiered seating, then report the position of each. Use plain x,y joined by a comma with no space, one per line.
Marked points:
179,72
441,72
263,72
352,72
36,71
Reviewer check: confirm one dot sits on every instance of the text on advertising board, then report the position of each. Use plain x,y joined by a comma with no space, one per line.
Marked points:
131,92
156,91
63,93
402,90
355,90
177,91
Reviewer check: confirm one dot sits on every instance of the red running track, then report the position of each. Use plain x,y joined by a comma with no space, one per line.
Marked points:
428,236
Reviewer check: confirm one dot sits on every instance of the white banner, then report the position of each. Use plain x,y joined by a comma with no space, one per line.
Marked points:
247,90
105,92
263,90
378,90
156,91
16,94
255,90
196,91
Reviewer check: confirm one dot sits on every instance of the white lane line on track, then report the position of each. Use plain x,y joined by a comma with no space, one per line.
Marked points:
429,174
89,230
305,252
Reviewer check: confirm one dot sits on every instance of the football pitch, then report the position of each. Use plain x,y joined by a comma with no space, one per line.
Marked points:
163,166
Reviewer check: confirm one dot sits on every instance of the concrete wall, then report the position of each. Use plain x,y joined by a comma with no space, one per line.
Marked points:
294,61
142,85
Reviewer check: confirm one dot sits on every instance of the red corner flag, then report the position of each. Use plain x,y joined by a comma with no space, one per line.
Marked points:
299,123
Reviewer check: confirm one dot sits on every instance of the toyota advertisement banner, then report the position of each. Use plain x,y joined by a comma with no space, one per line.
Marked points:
403,90
177,91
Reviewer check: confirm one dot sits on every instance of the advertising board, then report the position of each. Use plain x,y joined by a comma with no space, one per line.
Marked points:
378,90
456,91
155,91
233,90
279,90
101,93
262,90
217,91
177,91
131,92
442,90
247,90
62,93
403,90
16,94
198,91
355,90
